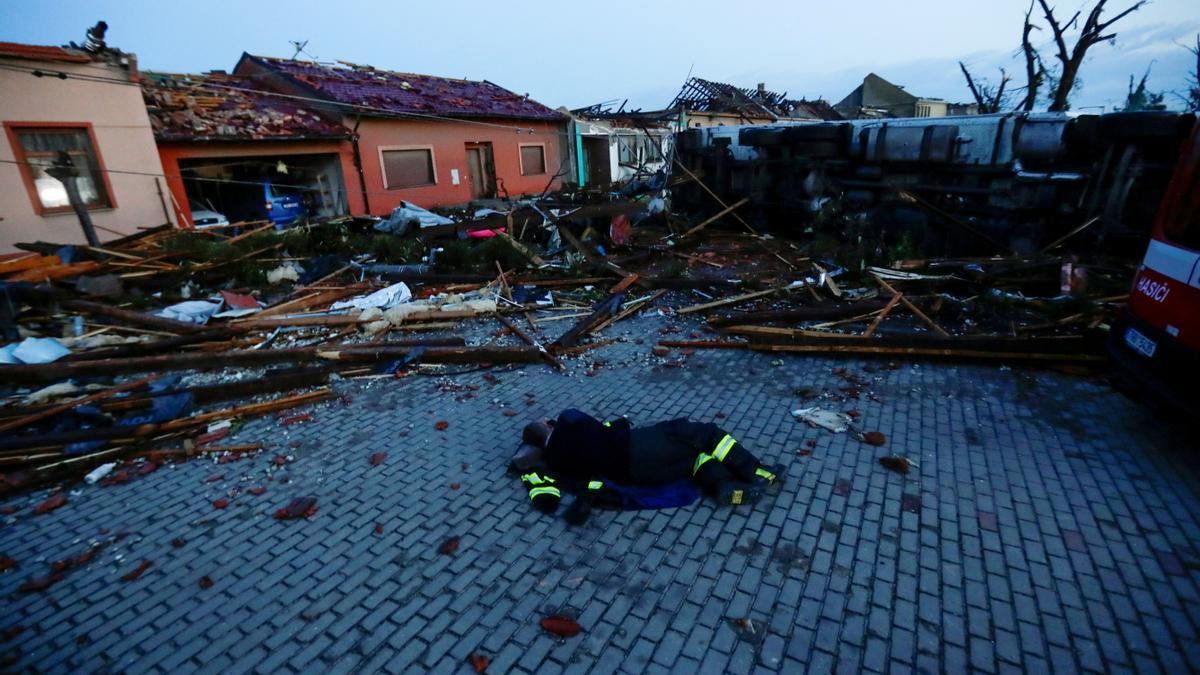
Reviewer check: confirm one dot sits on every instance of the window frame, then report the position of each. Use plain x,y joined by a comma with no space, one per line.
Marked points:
383,166
12,129
521,158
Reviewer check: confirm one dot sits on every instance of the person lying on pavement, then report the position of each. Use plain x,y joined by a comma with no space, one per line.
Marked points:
596,461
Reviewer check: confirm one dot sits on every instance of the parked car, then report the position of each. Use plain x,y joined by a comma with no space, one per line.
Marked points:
206,217
248,201
283,205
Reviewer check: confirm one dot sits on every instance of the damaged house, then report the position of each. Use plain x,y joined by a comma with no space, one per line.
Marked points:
428,140
83,102
232,153
878,98
704,103
614,147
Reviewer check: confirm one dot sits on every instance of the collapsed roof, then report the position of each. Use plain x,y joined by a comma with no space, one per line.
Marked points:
403,93
221,107
702,95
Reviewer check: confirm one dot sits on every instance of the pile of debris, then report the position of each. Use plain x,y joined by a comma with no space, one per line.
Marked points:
109,350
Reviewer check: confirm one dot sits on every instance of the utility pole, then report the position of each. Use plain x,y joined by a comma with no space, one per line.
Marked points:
64,170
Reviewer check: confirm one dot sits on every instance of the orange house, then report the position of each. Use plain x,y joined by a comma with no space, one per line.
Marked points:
432,141
222,143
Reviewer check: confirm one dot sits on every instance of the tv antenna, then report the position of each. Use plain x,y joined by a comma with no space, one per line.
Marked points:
300,45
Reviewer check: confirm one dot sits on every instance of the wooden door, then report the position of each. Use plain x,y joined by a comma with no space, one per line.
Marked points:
481,170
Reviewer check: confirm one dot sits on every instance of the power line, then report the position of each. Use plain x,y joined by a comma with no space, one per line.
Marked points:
201,179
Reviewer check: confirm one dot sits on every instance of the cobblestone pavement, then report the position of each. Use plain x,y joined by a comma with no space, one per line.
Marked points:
1051,525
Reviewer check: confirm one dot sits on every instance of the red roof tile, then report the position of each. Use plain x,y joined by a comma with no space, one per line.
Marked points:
43,53
219,107
406,93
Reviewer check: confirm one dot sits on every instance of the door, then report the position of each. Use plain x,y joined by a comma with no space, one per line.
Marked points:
597,160
481,170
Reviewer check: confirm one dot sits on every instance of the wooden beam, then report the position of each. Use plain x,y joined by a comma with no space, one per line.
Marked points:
64,407
913,308
720,214
438,350
729,301
713,195
882,315
529,340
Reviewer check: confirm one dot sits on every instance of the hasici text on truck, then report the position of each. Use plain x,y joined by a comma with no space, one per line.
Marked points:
1157,344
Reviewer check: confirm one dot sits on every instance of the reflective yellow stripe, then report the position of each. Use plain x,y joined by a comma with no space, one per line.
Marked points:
536,479
544,491
704,457
595,485
608,424
724,447
763,473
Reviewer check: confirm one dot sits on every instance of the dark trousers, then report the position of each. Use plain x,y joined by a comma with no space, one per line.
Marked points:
668,451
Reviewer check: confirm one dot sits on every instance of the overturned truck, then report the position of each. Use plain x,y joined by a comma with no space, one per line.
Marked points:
952,184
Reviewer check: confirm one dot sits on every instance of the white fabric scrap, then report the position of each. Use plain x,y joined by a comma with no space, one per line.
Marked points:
899,275
384,298
287,272
192,311
826,419
53,391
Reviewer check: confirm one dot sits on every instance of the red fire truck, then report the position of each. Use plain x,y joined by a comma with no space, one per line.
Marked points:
1157,345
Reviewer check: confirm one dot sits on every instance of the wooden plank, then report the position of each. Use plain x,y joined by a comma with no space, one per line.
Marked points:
212,360
729,301
625,283
913,308
57,271
867,347
772,331
251,233
948,352
320,299
64,407
529,340
882,315
324,320
580,349
131,317
28,261
717,216
630,308
713,195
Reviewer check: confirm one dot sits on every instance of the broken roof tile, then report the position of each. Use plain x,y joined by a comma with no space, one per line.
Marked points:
408,93
217,107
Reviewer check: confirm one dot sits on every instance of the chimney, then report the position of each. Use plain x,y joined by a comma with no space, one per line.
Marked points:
762,89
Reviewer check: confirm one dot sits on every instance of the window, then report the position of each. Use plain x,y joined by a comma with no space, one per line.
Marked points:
627,153
407,168
533,160
38,148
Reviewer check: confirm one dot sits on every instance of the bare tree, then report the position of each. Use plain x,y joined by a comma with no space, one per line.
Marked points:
990,98
1191,95
1141,98
1035,72
1091,32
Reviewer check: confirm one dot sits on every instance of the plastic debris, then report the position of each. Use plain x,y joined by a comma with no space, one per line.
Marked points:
99,472
825,419
384,298
33,351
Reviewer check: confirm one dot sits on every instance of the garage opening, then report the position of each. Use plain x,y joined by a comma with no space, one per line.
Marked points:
283,189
